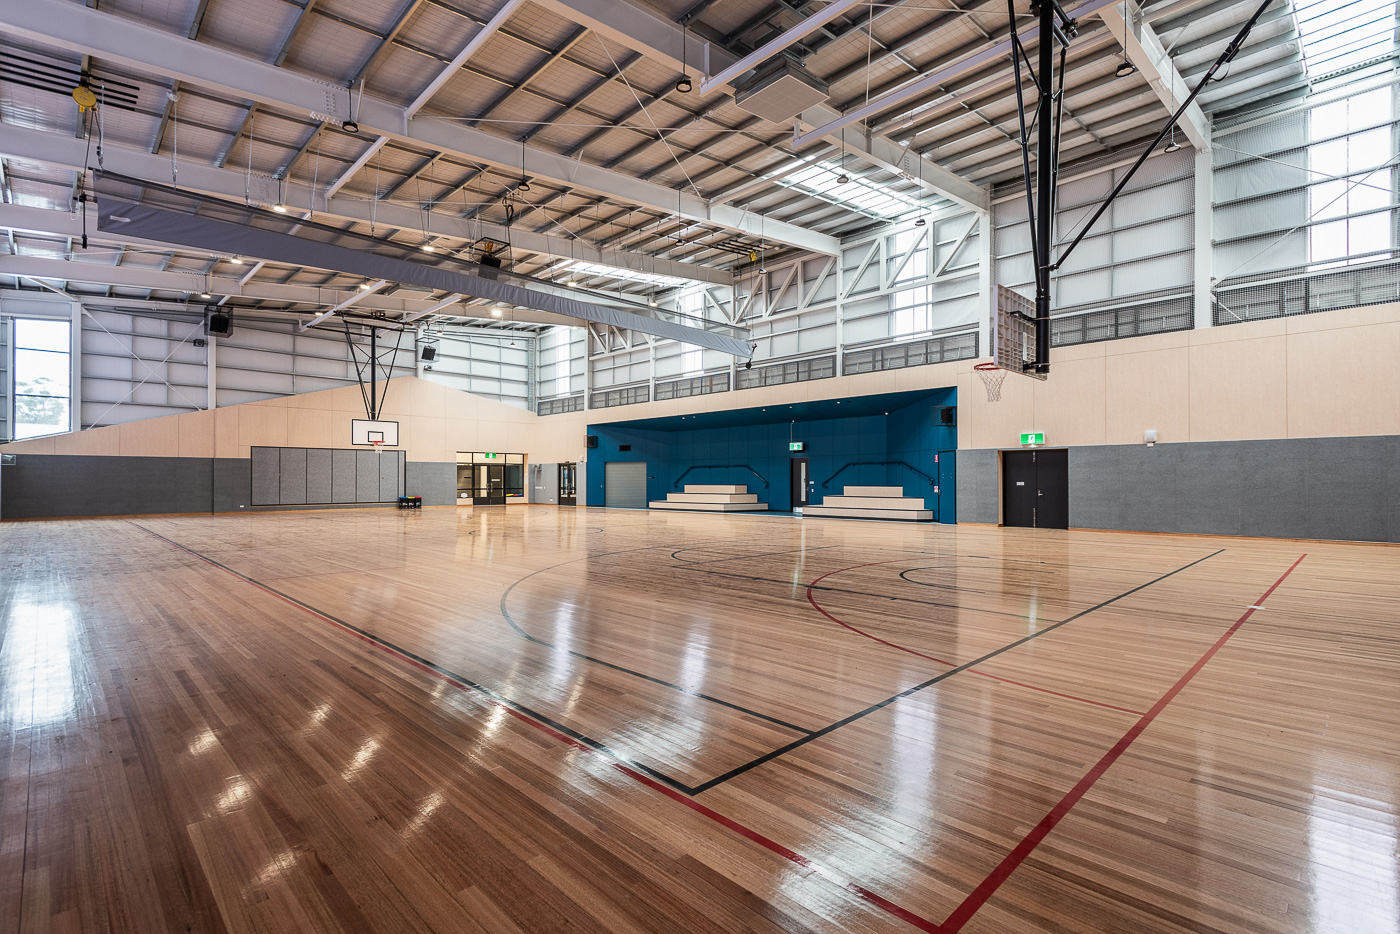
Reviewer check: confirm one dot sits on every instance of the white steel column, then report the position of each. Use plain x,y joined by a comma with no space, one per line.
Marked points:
986,285
1204,243
75,362
211,371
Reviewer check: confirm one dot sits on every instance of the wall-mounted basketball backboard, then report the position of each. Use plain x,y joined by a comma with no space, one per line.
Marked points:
1013,333
367,431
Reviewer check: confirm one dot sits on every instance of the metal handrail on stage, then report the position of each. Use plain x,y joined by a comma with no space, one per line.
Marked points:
827,482
720,467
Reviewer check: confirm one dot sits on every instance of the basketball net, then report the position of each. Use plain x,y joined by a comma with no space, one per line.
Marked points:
992,376
378,446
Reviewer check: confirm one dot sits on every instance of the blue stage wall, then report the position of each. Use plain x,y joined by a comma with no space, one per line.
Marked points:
853,451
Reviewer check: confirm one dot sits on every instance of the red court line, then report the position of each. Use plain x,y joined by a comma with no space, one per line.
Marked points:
967,908
895,645
1012,860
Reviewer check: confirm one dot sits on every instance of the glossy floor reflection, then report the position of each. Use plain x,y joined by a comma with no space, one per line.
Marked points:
528,719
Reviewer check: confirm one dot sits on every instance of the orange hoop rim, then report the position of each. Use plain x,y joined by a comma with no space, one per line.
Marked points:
985,366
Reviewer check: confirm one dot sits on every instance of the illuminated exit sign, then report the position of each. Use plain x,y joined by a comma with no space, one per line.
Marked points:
1032,437
797,445
494,456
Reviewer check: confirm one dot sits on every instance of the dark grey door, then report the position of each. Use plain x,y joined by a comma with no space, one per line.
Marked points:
1035,489
801,482
568,484
1052,489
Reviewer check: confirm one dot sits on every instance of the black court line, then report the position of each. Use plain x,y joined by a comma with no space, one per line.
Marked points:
783,750
858,593
762,554
615,667
446,672
934,567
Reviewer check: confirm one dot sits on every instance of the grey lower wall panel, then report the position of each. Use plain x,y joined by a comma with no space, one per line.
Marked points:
318,476
435,481
267,483
39,486
343,476
977,487
293,477
325,476
1326,488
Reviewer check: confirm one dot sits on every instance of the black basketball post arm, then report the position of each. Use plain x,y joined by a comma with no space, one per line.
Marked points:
1043,310
1055,26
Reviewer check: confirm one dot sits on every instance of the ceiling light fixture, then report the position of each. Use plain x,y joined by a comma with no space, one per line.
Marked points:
1172,146
206,295
281,206
364,286
1125,67
427,247
350,126
524,182
683,86
236,260
920,222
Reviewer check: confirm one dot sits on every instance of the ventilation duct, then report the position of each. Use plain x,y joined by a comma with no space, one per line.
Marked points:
779,90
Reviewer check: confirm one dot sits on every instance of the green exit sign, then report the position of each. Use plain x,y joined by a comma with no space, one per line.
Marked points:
797,445
494,456
1032,437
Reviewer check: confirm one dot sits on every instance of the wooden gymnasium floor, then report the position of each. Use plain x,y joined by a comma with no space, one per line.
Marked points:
539,720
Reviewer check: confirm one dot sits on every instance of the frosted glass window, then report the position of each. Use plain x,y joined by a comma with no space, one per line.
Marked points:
43,397
1350,179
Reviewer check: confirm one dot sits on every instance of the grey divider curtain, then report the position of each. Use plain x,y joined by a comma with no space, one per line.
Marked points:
325,476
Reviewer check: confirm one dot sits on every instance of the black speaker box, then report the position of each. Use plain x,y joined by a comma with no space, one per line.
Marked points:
219,325
490,266
948,415
592,441
428,353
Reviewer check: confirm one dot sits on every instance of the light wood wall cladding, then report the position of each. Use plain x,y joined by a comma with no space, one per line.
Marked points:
1321,375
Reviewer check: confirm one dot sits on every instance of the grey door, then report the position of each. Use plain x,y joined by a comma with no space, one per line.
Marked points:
625,485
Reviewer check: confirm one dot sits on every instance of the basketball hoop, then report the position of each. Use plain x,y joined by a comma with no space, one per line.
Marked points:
378,446
992,375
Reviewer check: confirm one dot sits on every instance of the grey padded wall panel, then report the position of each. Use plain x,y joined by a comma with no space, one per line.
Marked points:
366,477
267,487
435,481
343,476
978,496
318,475
390,470
293,477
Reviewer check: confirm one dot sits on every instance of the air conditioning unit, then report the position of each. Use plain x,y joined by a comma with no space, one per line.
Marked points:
779,90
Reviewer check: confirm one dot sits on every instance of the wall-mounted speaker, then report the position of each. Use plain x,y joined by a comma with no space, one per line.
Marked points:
428,353
948,416
219,325
592,441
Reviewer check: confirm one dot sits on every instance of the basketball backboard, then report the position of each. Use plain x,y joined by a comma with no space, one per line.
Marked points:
1013,333
368,431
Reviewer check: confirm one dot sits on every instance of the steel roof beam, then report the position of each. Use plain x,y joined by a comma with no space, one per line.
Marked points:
643,30
106,35
193,283
58,149
1145,50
